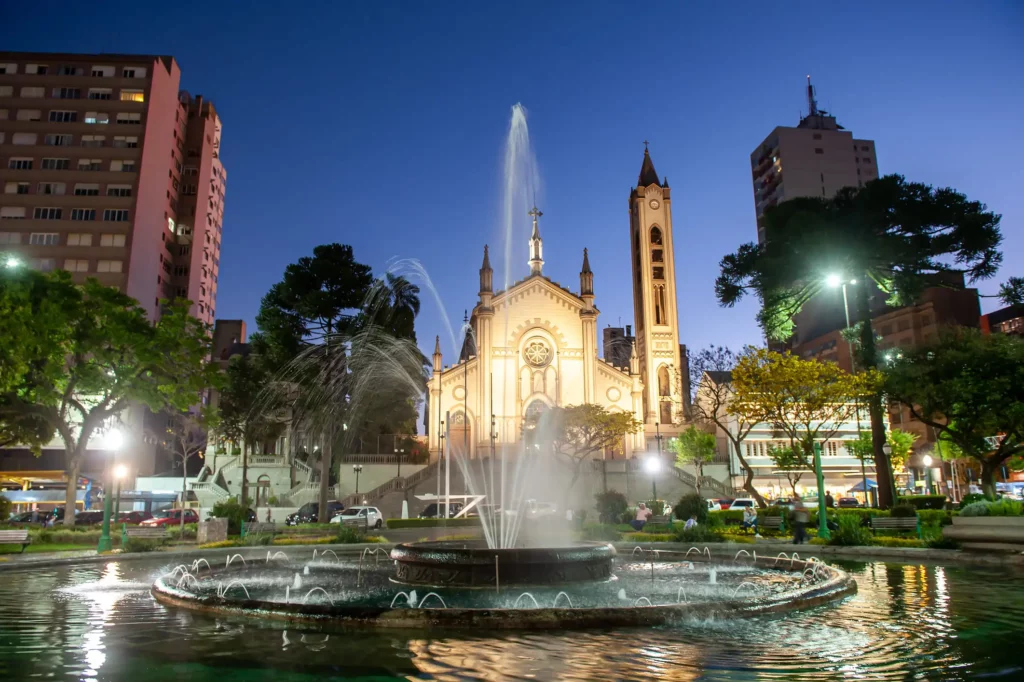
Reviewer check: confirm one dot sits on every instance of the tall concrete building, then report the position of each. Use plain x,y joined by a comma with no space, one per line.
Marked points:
817,158
109,170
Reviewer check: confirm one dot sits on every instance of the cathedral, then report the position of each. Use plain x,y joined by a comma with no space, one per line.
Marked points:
535,346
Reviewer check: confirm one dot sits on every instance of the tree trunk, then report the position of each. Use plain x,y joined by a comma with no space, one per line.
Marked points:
245,473
869,359
748,476
71,492
184,486
325,479
988,478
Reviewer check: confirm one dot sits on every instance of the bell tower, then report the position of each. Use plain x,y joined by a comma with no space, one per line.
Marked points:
654,298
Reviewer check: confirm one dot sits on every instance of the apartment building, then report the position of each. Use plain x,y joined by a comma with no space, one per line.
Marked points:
110,170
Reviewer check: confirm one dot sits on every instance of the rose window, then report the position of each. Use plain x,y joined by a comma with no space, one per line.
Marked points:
537,353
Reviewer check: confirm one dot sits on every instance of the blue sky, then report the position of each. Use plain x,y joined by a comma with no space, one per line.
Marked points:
382,126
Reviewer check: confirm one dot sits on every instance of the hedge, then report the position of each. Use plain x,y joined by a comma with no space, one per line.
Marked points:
923,501
431,523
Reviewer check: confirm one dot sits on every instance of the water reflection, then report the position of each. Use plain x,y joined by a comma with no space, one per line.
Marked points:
99,622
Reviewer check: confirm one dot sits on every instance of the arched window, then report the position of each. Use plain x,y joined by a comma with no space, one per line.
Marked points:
656,236
663,383
535,410
659,306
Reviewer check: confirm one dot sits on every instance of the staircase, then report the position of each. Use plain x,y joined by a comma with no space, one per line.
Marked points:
706,483
396,484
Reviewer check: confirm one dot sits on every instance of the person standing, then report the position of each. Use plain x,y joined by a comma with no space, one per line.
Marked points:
830,501
800,519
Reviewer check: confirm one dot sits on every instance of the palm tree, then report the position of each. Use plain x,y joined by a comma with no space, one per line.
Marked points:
891,236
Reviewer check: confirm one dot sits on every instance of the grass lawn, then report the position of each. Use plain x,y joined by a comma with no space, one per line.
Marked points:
35,548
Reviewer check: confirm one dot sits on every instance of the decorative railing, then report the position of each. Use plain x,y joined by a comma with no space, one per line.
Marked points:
396,484
210,487
267,460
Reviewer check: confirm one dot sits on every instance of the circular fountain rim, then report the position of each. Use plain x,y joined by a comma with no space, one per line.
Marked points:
838,585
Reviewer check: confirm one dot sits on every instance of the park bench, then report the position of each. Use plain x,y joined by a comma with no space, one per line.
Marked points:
896,523
662,520
259,528
143,533
15,537
771,523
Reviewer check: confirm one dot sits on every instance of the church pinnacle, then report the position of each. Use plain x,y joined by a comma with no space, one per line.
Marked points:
486,274
586,277
536,244
648,176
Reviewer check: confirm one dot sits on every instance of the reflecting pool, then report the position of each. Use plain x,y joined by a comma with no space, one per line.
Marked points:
99,621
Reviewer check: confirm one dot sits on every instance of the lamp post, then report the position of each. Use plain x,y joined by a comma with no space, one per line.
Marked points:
652,465
357,468
398,453
822,520
113,441
11,262
927,461
120,471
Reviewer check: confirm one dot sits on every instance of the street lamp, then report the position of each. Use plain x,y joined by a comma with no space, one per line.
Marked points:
357,468
652,465
399,452
120,472
12,262
112,441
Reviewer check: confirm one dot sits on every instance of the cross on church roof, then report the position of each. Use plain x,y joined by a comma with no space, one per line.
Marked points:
645,145
534,213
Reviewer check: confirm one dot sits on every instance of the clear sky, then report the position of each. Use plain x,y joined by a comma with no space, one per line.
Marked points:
381,125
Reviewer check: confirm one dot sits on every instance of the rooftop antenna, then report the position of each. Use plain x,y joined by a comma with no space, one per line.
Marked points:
812,105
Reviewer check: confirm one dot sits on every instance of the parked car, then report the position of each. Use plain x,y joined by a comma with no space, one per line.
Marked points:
27,517
847,502
88,518
714,505
133,517
361,517
310,513
741,503
435,510
724,503
170,517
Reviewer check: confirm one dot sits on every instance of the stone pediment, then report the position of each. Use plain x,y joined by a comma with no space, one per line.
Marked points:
537,286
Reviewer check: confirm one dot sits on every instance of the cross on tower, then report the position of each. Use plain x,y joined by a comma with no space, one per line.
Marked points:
645,145
534,213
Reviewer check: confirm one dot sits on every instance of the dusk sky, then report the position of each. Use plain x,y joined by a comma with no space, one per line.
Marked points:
381,125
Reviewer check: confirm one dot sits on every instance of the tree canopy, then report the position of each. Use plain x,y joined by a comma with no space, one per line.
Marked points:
87,351
577,432
694,447
968,386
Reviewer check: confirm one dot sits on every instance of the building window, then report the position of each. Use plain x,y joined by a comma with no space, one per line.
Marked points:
93,140
100,93
658,272
103,71
25,138
97,118
56,164
119,190
76,265
903,325
126,166
79,239
44,238
10,238
29,115
126,141
181,271
90,165
60,140
133,96
67,93
666,412
108,266
12,212
657,256
129,119
47,213
83,214
816,136
70,71
33,92
63,116
111,240
865,148
656,236
16,188
117,215
819,150
51,188
134,72
19,164
8,68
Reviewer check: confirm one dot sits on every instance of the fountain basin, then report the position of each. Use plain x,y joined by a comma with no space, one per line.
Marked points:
468,564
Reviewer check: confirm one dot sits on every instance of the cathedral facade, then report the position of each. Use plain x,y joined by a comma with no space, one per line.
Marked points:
535,346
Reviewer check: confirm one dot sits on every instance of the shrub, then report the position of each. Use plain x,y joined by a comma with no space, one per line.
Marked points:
258,540
231,510
1005,507
5,508
221,544
976,509
174,533
140,545
896,542
850,532
903,510
347,535
692,505
935,517
698,533
770,511
725,517
657,507
598,532
272,501
610,506
923,501
971,499
430,523
648,537
942,542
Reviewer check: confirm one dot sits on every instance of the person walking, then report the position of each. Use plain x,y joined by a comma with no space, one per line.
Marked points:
830,501
800,519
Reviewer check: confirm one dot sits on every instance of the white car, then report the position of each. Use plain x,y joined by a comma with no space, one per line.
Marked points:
740,503
713,505
360,517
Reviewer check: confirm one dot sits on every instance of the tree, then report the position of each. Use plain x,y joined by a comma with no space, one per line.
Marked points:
901,444
711,383
806,400
101,354
791,462
577,432
1011,292
890,235
695,447
393,303
969,387
185,436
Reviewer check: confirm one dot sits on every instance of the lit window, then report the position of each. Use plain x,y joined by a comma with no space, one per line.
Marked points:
133,96
96,117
